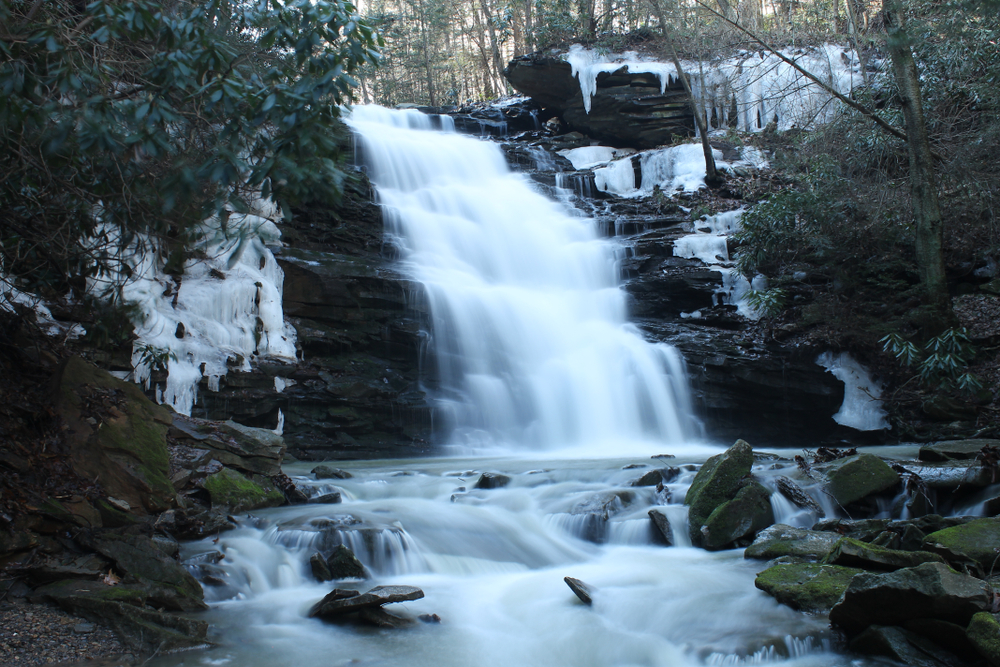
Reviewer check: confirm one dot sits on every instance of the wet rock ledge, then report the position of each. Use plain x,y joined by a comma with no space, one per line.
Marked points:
104,545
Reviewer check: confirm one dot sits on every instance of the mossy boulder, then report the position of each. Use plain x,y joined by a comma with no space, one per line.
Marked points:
806,586
115,435
717,482
931,590
230,491
984,634
780,540
738,519
855,553
978,540
855,478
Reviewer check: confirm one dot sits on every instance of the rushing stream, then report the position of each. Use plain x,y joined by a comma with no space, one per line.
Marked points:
546,382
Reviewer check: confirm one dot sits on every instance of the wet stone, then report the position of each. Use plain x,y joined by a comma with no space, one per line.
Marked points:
581,590
338,603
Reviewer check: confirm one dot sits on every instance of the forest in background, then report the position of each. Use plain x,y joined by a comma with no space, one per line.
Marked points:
452,52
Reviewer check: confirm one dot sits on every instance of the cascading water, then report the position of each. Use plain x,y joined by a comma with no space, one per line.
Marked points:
530,332
534,351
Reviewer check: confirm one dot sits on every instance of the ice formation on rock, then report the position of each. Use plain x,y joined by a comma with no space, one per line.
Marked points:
221,313
11,297
862,407
760,87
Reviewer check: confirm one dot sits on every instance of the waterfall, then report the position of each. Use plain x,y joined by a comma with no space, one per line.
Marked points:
530,334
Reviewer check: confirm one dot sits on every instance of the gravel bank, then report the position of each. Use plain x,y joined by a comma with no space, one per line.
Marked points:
33,634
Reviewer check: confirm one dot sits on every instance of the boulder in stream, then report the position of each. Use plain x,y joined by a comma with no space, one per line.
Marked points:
326,472
718,481
343,564
340,602
854,478
738,519
931,590
581,590
806,586
904,646
662,525
492,480
781,540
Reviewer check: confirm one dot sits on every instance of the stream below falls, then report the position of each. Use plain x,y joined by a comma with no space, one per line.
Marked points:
541,378
491,563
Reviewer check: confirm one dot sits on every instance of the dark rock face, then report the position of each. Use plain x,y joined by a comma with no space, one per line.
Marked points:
932,590
627,108
355,392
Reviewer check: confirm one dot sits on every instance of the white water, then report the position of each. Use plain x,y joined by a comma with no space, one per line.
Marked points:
491,564
530,332
535,351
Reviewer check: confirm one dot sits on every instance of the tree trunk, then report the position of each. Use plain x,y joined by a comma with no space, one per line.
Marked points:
711,173
923,184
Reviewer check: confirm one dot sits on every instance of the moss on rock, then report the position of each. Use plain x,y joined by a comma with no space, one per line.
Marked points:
855,553
984,633
806,586
978,540
856,477
782,540
116,434
234,492
744,516
718,481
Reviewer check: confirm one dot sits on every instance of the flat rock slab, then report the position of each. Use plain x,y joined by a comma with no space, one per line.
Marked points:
951,450
806,586
336,604
781,540
854,553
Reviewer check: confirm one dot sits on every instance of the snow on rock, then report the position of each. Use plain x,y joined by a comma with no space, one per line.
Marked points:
11,297
862,407
588,157
586,64
762,87
224,311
